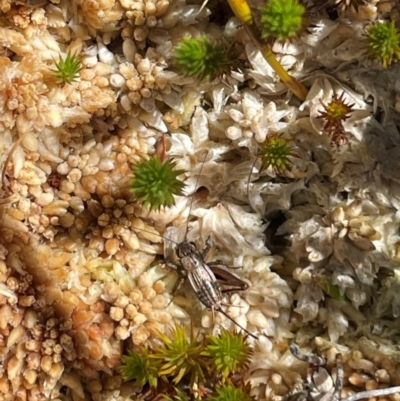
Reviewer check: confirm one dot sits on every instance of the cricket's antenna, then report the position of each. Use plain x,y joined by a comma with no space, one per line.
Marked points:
202,6
151,232
237,324
195,188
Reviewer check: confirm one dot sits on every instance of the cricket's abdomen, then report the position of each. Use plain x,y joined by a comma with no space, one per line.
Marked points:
210,295
206,287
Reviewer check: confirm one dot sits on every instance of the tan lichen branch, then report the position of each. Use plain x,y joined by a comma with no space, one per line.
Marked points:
3,173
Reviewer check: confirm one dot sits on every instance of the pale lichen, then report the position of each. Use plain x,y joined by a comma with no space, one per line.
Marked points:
81,261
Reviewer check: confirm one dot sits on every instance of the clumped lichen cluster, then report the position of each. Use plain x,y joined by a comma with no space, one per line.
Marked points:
126,127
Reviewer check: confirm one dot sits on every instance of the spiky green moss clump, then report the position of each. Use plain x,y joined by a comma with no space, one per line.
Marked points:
180,356
228,353
189,367
138,366
230,393
275,153
282,20
383,43
155,182
68,69
202,58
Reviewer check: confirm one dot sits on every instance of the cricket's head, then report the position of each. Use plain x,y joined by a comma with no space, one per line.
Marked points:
185,248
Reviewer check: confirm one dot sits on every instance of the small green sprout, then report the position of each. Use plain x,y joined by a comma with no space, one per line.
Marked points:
180,355
228,353
330,289
67,69
140,367
276,152
230,393
155,182
282,20
202,58
383,42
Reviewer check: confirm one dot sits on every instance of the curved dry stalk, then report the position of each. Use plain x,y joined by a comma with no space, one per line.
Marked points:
3,173
243,12
339,379
373,393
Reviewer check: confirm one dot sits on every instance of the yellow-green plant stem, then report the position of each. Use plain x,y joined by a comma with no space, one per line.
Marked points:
243,11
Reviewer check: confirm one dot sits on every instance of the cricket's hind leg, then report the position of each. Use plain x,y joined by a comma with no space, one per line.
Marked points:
226,278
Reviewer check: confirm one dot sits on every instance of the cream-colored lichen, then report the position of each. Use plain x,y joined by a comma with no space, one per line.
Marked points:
82,275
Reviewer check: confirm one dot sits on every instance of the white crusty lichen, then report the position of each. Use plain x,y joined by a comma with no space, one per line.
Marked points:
82,265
